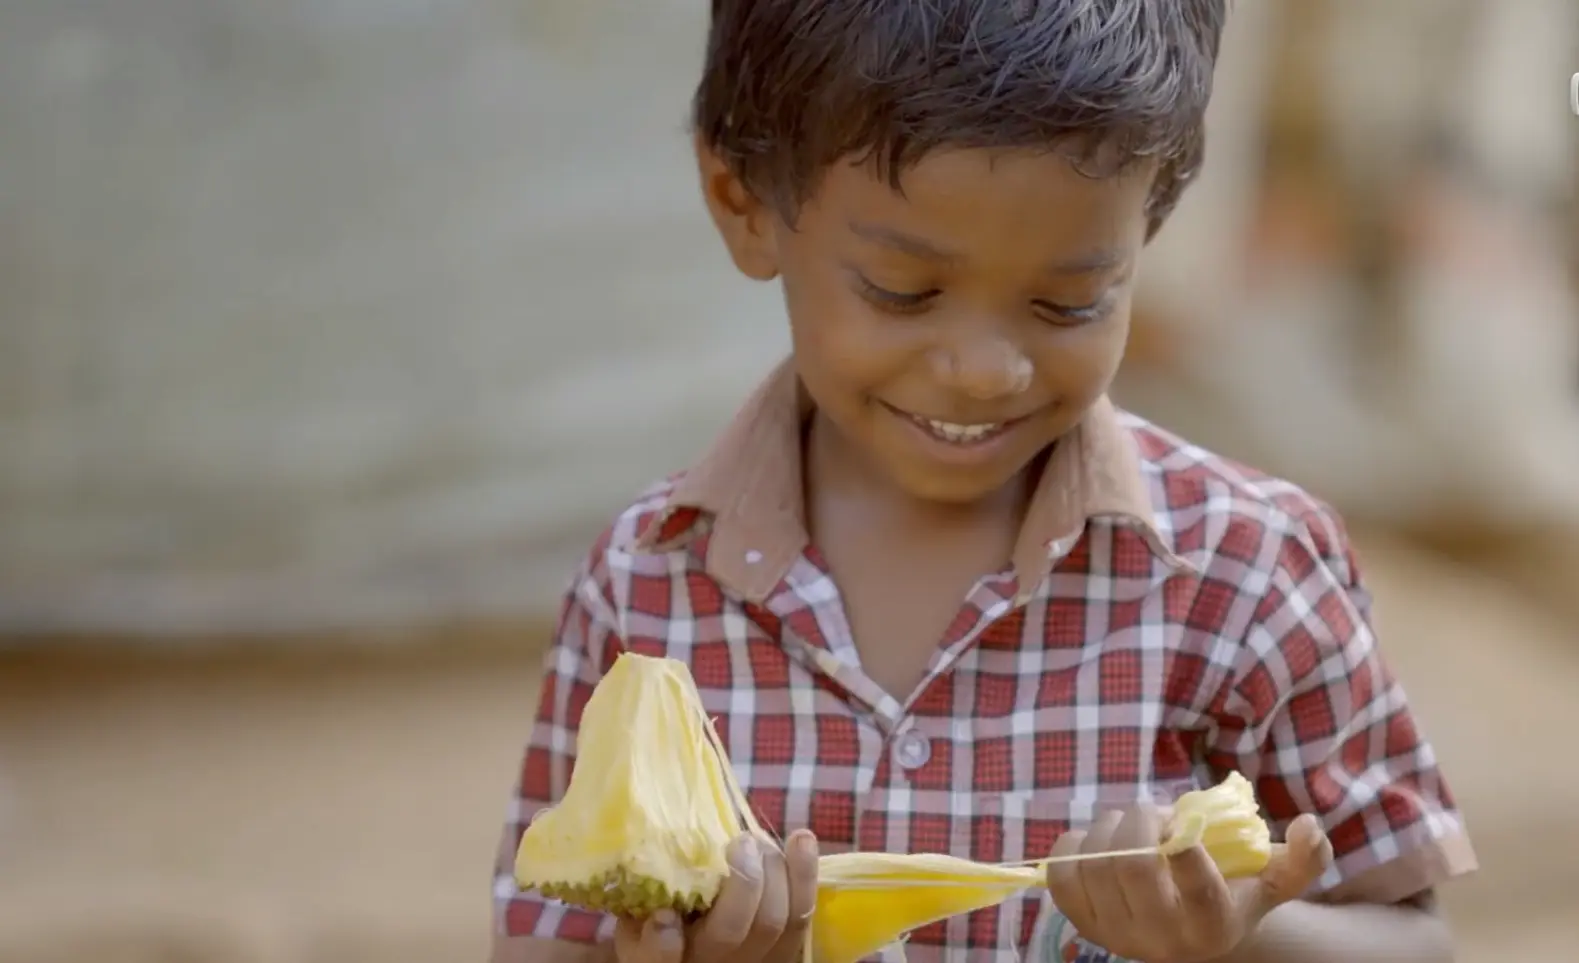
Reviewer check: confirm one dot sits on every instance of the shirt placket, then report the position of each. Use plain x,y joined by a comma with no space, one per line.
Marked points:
894,743
946,798
815,633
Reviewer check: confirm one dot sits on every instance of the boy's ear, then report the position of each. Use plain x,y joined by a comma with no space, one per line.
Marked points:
744,222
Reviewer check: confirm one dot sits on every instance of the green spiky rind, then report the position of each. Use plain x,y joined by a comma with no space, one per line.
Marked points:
625,894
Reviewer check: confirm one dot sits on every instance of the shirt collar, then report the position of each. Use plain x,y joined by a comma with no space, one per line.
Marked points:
750,482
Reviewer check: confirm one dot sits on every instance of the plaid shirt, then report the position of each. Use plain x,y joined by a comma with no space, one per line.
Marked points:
1169,616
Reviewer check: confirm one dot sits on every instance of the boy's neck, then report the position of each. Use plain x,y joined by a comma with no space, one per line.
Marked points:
836,469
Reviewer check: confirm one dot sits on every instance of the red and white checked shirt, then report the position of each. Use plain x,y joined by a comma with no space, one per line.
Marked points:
1169,616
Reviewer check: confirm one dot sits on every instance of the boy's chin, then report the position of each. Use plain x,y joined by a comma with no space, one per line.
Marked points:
956,488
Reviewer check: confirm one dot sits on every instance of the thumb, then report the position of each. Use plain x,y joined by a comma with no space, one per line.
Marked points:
1297,865
658,939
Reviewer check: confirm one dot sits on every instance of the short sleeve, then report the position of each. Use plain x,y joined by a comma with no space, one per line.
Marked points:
1314,718
584,645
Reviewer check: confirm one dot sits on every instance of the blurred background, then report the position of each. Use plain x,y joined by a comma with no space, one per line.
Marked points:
332,330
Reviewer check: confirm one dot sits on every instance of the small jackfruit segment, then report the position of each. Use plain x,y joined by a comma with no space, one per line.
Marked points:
652,803
867,901
1185,833
1226,819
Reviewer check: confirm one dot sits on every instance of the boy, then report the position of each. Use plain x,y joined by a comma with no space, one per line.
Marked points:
940,594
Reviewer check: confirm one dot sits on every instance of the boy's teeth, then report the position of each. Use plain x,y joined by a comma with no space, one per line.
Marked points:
949,431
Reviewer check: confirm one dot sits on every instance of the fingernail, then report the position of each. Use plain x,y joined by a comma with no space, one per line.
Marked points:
1315,846
805,845
668,927
745,858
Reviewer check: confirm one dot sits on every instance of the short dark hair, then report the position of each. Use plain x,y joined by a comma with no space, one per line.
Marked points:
792,86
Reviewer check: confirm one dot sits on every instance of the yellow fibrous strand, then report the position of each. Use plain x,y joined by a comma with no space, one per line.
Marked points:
652,803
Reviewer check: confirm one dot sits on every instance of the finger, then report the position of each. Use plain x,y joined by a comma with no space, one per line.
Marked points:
1100,876
1063,880
1146,880
772,908
1207,908
728,923
801,859
658,939
1298,865
627,940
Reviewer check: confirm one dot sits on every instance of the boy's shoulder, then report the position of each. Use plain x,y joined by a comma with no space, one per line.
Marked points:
637,529
1218,506
643,521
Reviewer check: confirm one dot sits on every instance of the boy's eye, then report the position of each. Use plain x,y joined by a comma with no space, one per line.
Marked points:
1064,315
1073,315
895,300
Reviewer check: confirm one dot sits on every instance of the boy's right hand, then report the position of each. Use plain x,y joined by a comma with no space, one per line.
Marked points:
760,916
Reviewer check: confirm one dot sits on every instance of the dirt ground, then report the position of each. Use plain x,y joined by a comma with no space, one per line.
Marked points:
344,808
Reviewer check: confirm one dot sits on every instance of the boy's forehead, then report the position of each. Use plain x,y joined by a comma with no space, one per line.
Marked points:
1092,258
951,200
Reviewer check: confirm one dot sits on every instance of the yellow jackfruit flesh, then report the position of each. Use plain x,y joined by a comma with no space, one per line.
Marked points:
652,803
865,901
1226,820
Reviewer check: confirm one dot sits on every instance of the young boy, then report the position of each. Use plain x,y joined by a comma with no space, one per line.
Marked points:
940,594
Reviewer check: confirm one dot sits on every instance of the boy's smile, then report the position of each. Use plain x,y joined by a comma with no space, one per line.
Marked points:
960,443
949,331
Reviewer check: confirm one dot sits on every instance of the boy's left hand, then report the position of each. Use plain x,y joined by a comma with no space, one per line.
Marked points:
1178,909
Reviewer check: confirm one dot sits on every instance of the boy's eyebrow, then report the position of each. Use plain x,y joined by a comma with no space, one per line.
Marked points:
902,242
1096,261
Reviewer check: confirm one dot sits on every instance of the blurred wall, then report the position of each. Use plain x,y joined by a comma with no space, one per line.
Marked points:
337,312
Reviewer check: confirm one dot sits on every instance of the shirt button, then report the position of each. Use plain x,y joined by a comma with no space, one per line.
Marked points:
912,750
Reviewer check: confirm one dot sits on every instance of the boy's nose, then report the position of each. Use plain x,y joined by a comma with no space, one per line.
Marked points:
983,368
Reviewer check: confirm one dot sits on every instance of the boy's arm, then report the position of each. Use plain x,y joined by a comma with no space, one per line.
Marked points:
1304,932
527,927
1314,718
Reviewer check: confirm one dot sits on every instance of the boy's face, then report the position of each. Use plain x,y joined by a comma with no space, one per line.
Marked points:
951,332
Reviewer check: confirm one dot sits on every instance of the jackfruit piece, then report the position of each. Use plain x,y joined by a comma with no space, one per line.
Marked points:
866,901
1226,820
652,803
